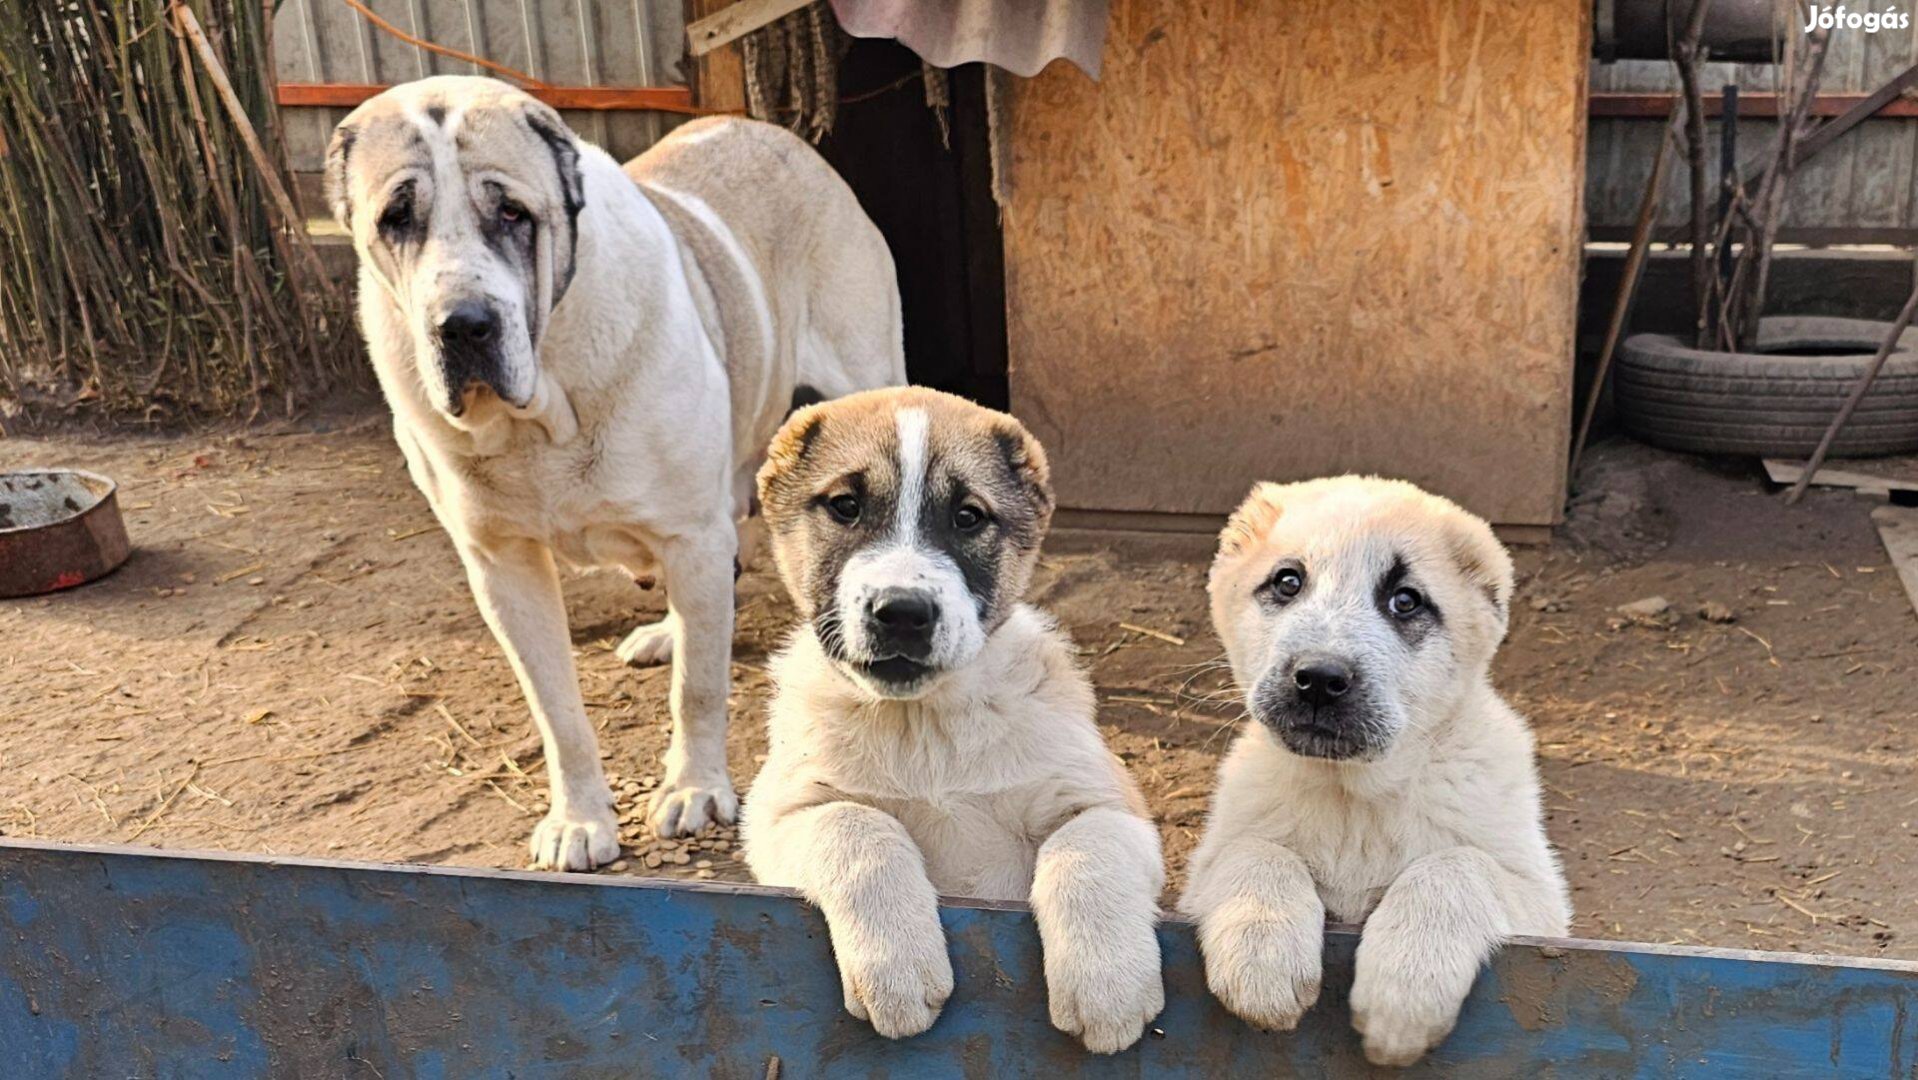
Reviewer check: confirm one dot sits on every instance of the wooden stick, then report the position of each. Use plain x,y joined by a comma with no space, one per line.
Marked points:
1858,393
735,22
1686,56
1627,287
270,176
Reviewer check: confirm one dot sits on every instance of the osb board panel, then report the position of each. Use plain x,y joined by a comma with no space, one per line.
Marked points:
1284,240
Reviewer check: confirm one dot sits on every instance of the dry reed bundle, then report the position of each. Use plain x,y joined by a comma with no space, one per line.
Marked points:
146,270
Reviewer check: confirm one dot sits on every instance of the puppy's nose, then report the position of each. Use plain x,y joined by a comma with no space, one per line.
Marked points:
471,322
1322,680
904,619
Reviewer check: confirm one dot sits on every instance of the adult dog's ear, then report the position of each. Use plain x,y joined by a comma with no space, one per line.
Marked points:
787,450
563,145
1483,562
1251,521
339,196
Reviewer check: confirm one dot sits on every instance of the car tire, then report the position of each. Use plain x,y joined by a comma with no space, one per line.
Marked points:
1776,402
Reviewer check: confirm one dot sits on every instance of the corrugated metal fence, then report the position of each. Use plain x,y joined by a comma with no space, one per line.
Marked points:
1862,188
569,43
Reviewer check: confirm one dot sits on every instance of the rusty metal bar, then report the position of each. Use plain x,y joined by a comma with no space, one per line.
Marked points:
1656,106
586,98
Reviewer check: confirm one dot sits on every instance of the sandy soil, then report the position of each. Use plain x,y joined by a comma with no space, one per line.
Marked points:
290,663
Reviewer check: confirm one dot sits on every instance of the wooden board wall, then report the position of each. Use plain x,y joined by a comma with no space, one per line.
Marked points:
1284,240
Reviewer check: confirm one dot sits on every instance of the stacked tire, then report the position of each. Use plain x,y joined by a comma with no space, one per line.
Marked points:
1776,402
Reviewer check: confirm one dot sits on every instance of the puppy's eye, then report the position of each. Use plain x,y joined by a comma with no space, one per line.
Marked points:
1287,582
843,508
968,518
1404,602
511,213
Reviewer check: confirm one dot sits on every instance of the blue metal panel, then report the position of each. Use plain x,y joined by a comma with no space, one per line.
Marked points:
125,962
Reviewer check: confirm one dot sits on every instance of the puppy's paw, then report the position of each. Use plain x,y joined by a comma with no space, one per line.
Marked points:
576,835
1264,970
1404,1002
647,646
897,984
1106,991
684,804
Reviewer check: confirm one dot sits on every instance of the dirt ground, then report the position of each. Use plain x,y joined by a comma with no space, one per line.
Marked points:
290,663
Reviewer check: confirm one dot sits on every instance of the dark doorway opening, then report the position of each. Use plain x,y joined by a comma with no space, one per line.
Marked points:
933,203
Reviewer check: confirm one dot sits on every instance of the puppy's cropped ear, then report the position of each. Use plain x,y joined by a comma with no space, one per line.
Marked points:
1026,459
788,449
1251,521
339,195
1483,562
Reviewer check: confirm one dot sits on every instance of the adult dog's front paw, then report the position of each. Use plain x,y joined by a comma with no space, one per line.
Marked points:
647,646
1406,997
1264,969
897,984
576,835
685,803
1106,991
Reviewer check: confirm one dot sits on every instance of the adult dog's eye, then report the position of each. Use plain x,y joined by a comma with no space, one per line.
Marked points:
511,213
968,518
1404,602
398,216
1288,581
843,508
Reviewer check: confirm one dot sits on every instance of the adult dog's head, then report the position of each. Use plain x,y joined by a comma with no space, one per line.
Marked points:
906,524
1356,610
462,196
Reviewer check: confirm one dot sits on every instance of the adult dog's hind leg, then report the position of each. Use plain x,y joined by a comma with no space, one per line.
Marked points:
695,790
517,589
650,644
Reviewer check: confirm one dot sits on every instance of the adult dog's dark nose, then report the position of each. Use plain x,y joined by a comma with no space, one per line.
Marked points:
903,620
1322,681
470,323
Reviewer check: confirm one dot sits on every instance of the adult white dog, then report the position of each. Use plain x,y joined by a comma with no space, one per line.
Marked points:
1379,777
588,362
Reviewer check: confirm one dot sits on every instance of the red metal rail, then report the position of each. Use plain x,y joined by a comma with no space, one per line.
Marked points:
593,98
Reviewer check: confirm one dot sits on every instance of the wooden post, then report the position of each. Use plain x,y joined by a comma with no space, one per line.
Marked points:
717,76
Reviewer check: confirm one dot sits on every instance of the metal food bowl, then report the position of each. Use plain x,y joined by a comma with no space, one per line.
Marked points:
58,528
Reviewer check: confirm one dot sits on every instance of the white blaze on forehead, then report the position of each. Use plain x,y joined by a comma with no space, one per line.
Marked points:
913,426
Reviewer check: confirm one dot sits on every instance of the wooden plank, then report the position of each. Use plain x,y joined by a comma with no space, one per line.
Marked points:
736,21
584,98
123,961
1268,247
1779,471
1758,103
1898,529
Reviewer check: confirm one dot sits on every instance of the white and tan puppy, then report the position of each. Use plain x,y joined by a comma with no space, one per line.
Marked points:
588,362
931,733
1379,777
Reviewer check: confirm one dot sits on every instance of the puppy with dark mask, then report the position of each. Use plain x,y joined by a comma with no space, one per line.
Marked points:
931,733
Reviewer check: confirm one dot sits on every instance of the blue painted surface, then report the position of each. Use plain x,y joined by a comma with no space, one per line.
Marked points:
137,963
